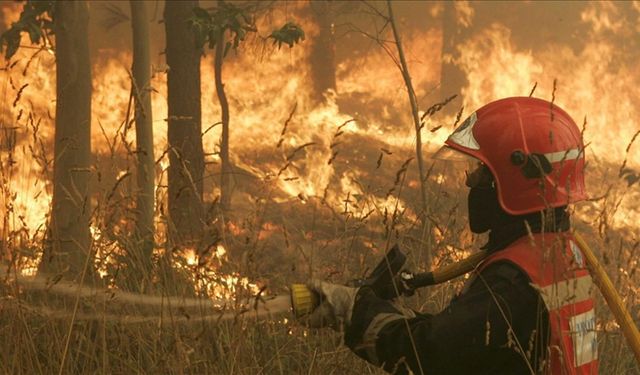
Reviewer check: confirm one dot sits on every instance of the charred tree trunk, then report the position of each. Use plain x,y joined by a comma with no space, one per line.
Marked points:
323,52
186,158
452,78
226,173
140,256
69,253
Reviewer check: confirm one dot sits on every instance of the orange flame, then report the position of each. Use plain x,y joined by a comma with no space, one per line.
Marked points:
261,99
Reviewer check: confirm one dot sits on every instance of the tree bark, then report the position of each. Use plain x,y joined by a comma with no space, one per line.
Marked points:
226,173
404,68
186,158
140,256
323,52
69,253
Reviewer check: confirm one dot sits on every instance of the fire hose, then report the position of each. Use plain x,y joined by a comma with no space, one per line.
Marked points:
611,296
389,280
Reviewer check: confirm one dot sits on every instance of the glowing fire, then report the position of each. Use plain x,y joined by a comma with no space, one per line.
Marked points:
222,287
260,104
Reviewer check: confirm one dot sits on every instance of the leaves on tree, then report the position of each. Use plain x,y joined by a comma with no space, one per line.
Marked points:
36,19
235,23
211,27
289,34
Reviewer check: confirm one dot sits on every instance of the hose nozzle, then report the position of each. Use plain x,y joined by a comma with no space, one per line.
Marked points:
303,300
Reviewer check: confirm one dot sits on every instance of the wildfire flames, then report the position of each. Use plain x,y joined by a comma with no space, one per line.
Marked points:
586,83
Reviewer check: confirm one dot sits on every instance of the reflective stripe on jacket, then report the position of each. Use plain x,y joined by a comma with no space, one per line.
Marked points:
556,268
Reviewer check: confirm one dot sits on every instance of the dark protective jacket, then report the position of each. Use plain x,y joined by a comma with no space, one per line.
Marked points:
498,324
559,274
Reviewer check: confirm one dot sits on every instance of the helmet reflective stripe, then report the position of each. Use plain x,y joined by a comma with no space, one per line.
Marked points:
572,154
464,134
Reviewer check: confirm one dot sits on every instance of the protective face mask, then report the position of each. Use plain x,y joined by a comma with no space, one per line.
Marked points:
483,209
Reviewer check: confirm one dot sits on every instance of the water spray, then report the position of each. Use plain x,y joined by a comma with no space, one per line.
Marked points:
157,307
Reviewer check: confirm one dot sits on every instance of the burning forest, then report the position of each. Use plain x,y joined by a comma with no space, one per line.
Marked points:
169,168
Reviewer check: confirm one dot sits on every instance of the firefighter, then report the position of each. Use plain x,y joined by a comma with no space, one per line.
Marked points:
527,308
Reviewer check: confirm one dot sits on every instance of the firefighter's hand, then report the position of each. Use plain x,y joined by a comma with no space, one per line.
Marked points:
335,308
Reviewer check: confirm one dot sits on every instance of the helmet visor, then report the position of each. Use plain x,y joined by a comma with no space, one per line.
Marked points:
476,172
447,153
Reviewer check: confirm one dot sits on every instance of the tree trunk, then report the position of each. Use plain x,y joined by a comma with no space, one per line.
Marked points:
416,121
69,252
452,78
226,168
186,158
140,256
323,52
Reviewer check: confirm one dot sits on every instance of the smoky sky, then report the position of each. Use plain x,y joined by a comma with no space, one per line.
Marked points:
533,24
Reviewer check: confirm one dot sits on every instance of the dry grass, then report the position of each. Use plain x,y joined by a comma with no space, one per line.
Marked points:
272,244
34,344
345,243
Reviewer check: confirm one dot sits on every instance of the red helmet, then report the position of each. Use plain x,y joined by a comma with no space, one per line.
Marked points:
533,149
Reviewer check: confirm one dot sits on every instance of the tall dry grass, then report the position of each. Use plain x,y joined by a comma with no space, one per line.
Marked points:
270,242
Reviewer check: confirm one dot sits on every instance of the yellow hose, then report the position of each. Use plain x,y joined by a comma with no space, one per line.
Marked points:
457,269
599,275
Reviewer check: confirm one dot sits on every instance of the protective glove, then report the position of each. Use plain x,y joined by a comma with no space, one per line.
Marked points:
335,308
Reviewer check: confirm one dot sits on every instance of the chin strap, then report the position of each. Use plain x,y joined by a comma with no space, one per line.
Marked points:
611,296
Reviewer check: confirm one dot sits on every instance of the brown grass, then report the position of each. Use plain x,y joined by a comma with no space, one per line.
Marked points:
43,331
